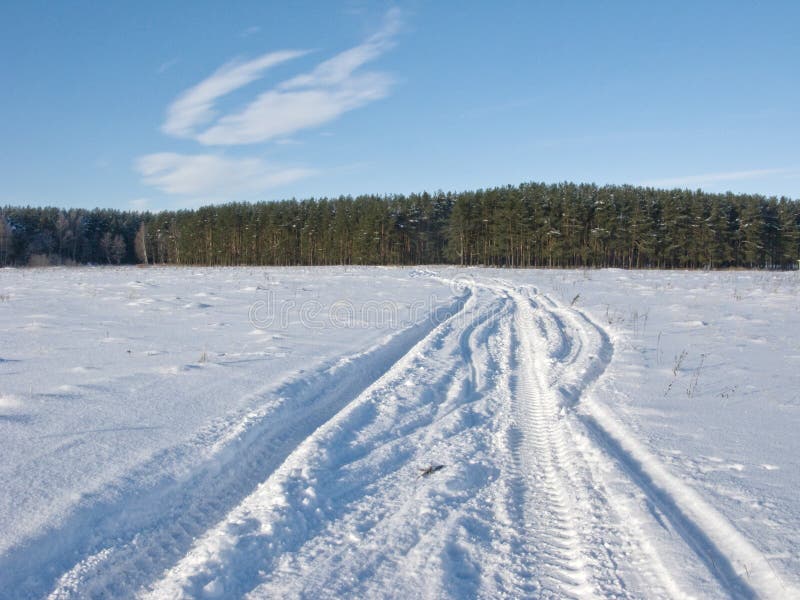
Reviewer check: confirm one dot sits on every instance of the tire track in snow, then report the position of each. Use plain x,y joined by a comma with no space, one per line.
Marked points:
475,549
619,557
549,511
574,539
319,484
503,399
429,550
741,570
110,548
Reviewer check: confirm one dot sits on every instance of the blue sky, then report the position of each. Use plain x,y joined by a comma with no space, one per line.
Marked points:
158,105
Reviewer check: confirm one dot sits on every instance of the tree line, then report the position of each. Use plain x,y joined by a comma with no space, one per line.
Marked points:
530,225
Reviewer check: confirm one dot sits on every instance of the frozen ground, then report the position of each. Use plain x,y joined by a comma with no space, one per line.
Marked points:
262,432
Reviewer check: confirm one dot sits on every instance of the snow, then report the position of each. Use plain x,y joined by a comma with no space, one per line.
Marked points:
181,432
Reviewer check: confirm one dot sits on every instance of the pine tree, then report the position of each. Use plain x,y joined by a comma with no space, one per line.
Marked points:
5,240
140,243
789,220
751,231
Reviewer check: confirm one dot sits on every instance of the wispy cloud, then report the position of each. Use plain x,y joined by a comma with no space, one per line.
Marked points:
195,106
210,175
279,113
711,178
332,88
335,86
340,68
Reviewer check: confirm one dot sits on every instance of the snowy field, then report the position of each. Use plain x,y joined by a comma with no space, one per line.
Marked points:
279,433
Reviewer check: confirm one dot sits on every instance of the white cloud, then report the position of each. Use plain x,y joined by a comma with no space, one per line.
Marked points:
308,100
333,87
338,69
210,175
710,178
280,113
195,106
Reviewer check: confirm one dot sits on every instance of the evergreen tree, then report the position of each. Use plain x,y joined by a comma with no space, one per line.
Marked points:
5,240
751,232
534,224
